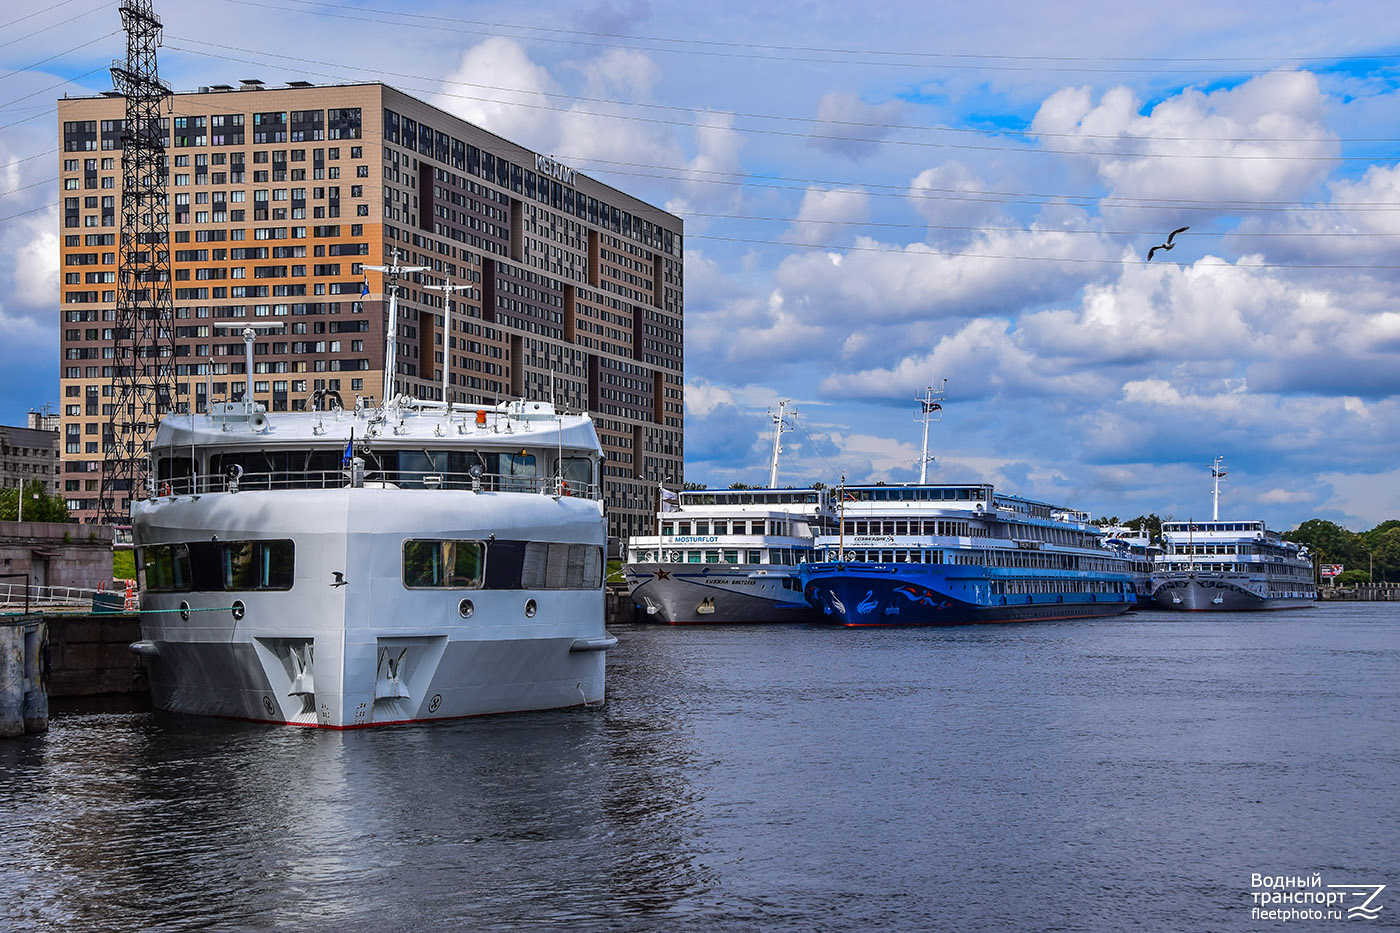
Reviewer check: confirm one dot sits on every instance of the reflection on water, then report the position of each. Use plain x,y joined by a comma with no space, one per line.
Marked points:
1121,773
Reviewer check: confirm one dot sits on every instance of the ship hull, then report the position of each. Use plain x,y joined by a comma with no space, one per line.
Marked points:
347,644
871,595
717,594
1207,592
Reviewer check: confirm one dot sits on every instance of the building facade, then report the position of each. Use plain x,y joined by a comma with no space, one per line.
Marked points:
30,453
278,198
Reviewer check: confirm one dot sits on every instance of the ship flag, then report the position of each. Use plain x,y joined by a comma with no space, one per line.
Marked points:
669,500
349,449
364,288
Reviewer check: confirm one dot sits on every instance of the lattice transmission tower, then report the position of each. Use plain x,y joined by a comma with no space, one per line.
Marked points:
143,334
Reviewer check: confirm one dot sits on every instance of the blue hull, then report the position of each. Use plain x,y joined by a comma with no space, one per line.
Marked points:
855,594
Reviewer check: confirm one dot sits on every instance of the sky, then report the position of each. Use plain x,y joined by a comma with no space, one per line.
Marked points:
880,199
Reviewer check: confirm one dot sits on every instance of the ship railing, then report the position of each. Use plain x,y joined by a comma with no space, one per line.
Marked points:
236,481
16,594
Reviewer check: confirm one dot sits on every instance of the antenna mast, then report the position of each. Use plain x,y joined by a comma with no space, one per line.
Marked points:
1217,472
780,427
391,338
930,409
448,289
143,333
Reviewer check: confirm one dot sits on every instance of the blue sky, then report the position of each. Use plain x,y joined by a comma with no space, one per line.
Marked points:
879,199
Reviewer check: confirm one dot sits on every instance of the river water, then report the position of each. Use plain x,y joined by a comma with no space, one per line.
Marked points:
1118,774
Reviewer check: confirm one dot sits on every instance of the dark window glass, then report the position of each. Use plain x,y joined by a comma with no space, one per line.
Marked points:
445,564
258,565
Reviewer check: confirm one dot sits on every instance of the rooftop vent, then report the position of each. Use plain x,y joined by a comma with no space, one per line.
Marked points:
251,84
221,87
300,84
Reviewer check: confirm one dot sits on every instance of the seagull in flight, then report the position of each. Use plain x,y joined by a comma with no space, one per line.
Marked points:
1167,245
339,579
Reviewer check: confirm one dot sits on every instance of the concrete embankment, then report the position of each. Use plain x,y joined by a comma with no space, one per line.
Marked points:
1364,592
24,700
90,654
619,606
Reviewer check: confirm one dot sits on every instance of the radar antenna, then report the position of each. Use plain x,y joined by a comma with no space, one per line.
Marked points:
930,409
1217,472
781,426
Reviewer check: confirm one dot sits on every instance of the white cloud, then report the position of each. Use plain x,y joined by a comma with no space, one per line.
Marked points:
1287,496
36,261
706,178
848,126
702,397
1265,139
826,214
521,110
878,283
624,72
952,195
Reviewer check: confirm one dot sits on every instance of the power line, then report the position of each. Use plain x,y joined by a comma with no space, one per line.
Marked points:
904,251
42,61
1006,229
41,90
26,16
885,190
867,124
64,22
32,210
954,61
932,144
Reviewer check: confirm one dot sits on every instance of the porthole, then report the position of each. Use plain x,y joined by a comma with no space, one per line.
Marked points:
238,609
184,610
530,608
465,609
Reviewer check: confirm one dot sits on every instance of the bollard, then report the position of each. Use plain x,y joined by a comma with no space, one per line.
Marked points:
36,699
11,681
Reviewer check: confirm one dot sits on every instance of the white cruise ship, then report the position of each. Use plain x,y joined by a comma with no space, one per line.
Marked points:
925,554
1230,566
352,568
728,555
1137,546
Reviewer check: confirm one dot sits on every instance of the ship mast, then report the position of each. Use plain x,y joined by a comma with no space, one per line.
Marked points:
392,273
448,289
930,409
780,427
1217,472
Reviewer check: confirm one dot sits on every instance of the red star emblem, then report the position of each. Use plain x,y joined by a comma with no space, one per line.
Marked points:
663,574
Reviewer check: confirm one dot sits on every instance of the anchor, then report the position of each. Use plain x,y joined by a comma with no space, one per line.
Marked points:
388,683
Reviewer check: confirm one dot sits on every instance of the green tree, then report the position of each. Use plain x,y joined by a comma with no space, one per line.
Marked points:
1353,577
39,506
1385,555
1330,543
1151,523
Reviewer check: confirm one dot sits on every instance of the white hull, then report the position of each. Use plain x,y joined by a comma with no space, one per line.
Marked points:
1223,592
371,651
711,594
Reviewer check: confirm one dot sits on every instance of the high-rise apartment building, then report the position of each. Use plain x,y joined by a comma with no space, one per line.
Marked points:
278,197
